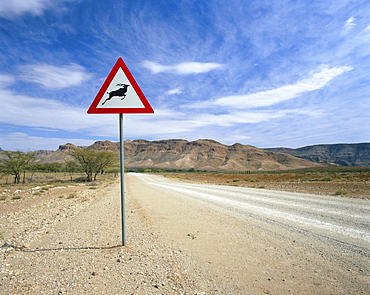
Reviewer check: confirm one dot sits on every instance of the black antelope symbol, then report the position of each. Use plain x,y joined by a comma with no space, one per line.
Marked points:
121,92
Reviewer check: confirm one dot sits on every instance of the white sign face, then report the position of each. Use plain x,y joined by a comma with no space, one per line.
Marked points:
120,94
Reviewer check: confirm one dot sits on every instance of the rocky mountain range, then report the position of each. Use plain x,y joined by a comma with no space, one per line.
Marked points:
182,154
339,154
212,155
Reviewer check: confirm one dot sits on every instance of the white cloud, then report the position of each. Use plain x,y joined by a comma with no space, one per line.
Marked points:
182,68
55,77
284,93
10,8
349,24
49,114
196,67
6,80
247,117
22,110
174,91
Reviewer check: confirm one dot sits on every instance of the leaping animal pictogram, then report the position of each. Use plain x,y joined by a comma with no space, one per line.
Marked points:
120,92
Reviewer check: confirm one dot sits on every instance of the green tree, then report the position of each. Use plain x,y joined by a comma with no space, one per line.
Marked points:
94,162
17,163
53,167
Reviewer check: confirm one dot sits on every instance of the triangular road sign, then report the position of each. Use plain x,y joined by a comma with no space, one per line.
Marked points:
120,94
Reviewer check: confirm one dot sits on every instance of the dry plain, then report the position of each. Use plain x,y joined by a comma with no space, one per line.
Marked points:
67,240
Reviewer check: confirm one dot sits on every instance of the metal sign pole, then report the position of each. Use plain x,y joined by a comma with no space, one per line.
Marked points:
138,104
122,171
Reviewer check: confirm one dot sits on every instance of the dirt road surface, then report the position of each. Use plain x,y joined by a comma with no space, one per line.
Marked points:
183,238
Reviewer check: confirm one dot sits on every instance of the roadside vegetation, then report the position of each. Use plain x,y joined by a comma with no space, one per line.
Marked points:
21,167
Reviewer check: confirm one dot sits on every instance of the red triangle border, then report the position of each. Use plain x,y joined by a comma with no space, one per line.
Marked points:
120,64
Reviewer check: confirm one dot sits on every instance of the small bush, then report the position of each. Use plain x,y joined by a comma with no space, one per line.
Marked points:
2,198
340,193
16,197
36,193
235,180
72,196
253,180
322,179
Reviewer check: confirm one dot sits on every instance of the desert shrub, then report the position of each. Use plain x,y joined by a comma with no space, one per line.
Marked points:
2,198
235,180
16,197
341,192
322,179
36,193
253,180
81,179
72,196
340,179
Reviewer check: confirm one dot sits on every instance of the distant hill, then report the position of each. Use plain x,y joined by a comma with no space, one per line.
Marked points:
182,154
207,155
357,154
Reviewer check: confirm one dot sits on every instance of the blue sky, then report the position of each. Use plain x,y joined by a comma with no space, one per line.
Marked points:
265,73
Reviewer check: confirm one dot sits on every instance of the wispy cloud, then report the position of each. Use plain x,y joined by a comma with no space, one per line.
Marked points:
349,24
174,91
284,93
182,68
54,77
6,80
54,115
21,110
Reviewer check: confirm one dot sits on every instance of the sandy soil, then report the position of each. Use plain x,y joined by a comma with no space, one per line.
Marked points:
67,240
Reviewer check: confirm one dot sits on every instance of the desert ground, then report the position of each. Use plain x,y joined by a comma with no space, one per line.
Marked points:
65,238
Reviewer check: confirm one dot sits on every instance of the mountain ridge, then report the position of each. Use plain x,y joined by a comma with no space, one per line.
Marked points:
342,154
202,154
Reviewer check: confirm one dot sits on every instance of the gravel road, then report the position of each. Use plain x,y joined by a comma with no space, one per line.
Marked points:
256,241
333,219
184,238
